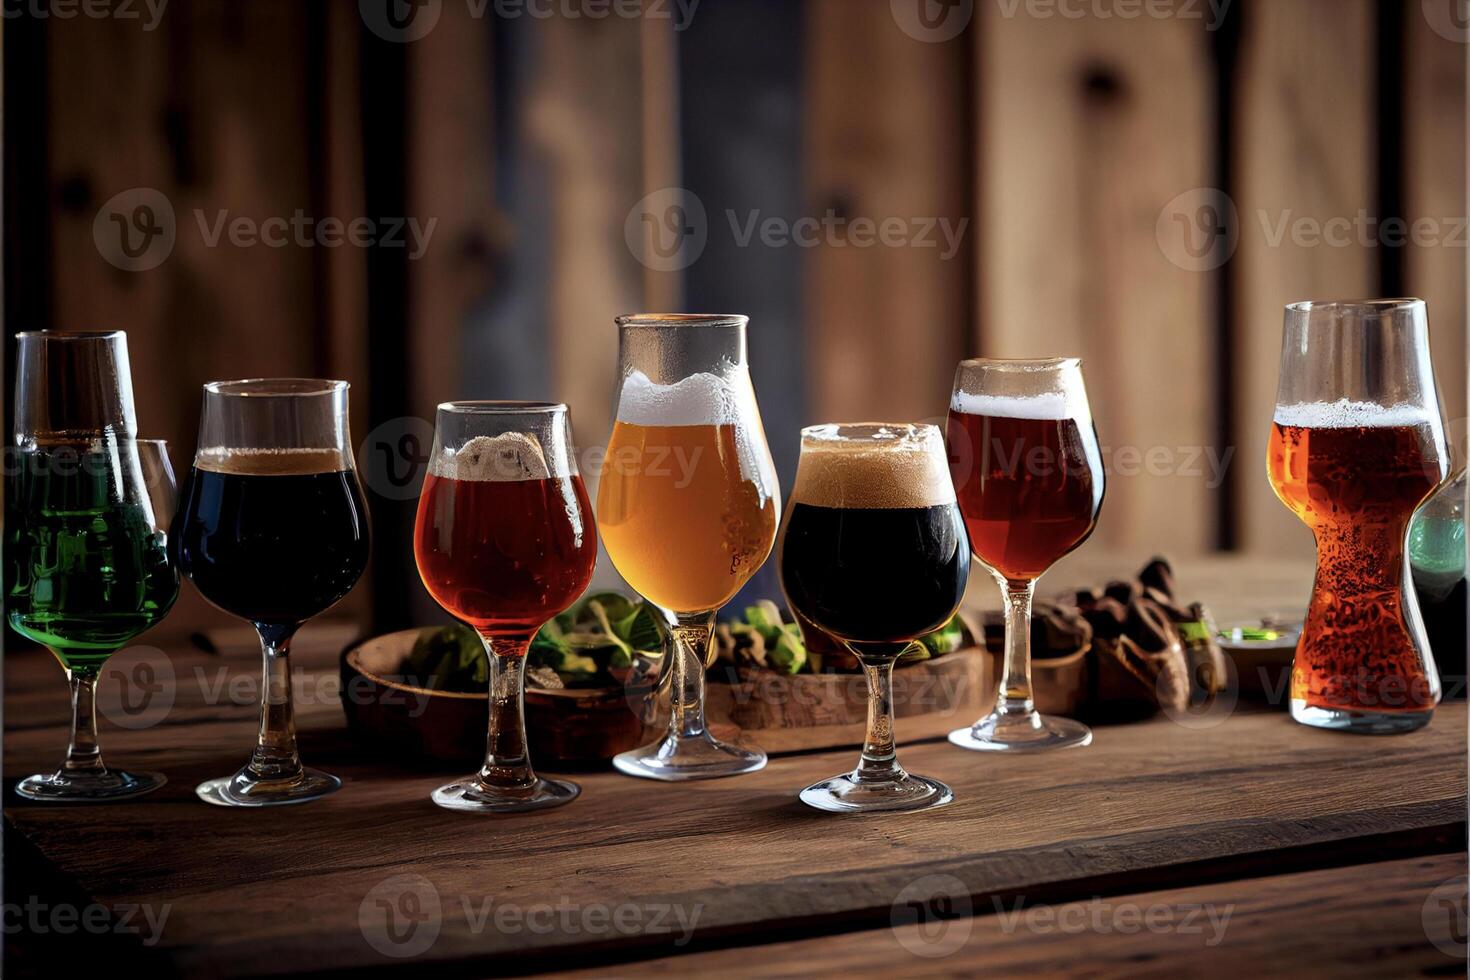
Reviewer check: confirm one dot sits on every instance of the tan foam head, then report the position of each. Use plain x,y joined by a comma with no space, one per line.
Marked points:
271,462
508,457
874,465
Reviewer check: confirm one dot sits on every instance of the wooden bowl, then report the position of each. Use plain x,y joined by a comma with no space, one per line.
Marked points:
782,712
567,726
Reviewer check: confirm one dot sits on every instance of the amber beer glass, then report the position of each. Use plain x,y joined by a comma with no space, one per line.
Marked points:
504,541
1028,474
688,509
1357,444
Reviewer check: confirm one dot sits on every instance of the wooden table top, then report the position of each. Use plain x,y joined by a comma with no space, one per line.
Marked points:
1314,839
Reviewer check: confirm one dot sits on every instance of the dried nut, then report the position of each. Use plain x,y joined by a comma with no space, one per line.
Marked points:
1149,626
1158,575
1166,602
1106,618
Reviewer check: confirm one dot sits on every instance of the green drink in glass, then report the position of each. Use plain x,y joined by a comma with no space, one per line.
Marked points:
88,571
86,558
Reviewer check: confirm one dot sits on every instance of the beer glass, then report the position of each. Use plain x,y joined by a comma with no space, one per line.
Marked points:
504,541
873,551
1357,444
1029,477
273,529
86,556
688,509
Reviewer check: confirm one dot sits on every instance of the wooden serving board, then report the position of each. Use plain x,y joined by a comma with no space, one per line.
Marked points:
782,713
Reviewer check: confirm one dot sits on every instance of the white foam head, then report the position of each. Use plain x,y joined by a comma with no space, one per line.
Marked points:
700,399
1046,406
1346,414
872,466
506,458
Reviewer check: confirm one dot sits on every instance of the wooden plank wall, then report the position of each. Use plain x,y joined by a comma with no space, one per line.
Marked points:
1088,128
1306,142
215,111
1435,177
1063,140
889,138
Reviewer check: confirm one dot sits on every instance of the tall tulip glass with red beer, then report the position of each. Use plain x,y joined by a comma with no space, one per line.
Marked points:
1357,444
1028,475
504,541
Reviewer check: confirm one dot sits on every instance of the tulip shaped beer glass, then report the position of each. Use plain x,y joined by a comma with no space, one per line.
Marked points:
873,551
504,541
1357,444
86,557
273,529
1029,477
688,509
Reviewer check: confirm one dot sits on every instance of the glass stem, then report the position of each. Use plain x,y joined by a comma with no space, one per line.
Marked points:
275,756
83,757
692,634
507,762
880,759
1015,698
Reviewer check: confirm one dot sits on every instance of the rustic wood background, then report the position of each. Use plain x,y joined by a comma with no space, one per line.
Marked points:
1061,140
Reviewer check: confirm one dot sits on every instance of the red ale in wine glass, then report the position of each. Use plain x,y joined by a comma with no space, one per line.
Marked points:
504,541
1028,475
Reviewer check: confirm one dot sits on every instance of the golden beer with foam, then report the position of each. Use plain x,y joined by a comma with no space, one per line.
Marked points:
687,505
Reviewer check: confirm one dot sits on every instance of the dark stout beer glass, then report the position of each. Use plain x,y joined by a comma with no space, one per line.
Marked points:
86,558
873,551
273,529
1357,444
1029,477
504,541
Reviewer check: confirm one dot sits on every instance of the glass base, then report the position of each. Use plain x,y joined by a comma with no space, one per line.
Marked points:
1360,722
674,759
243,789
1031,732
845,794
110,784
472,796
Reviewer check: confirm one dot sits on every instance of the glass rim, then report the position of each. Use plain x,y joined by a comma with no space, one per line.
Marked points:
501,407
874,433
1021,365
275,387
70,335
678,321
1360,306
